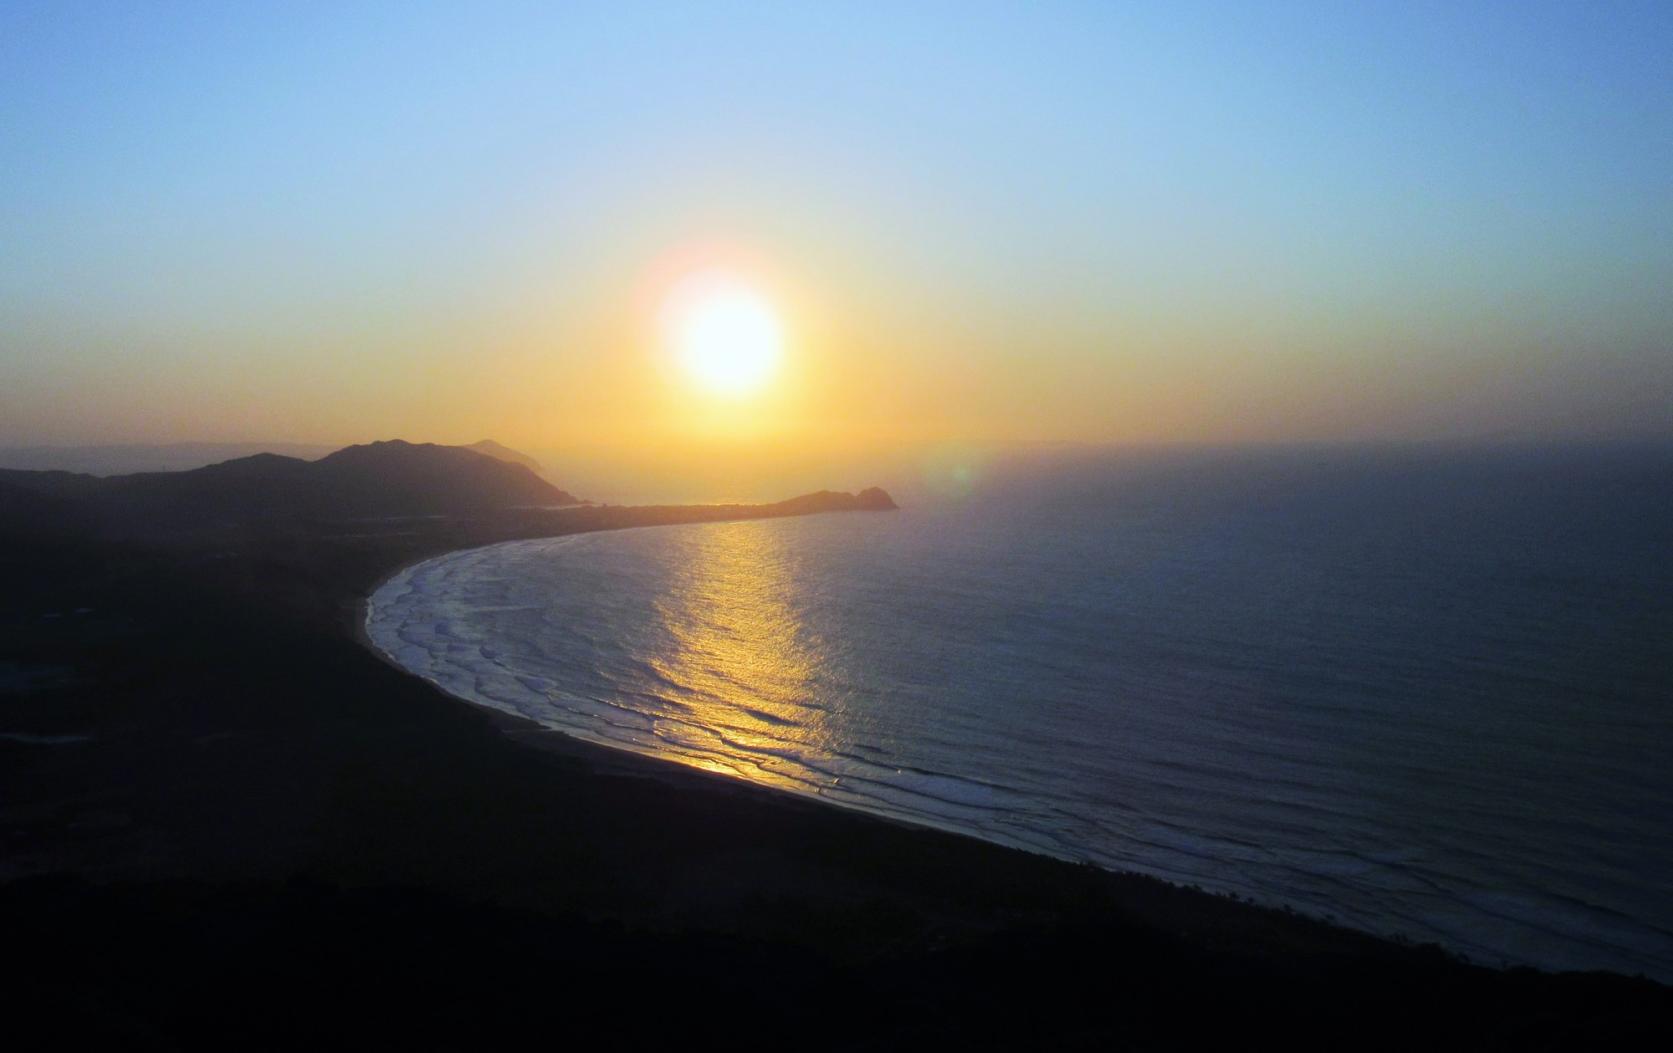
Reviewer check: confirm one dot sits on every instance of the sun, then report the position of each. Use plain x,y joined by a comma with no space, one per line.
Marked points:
723,333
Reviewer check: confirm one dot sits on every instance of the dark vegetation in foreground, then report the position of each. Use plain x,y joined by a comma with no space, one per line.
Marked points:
224,822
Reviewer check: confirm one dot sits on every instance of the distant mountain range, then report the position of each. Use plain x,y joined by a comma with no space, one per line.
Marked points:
135,458
490,448
378,480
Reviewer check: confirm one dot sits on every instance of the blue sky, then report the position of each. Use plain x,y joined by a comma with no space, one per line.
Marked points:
1243,221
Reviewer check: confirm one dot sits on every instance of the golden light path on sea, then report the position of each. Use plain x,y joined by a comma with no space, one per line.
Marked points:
746,661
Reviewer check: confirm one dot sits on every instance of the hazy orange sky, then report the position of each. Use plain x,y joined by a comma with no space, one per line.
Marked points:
1176,223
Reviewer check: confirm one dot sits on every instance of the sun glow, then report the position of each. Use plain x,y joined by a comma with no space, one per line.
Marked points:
723,334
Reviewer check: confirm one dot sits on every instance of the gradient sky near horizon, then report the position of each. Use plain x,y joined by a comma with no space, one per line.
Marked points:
1170,222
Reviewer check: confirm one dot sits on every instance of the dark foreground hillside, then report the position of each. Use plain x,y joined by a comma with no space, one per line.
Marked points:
225,822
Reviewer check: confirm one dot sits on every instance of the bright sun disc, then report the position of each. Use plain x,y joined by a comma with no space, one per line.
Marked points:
724,334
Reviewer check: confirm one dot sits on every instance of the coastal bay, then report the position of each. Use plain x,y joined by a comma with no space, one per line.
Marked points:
249,784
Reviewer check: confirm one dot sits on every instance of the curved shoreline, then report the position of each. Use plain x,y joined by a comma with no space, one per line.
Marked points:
508,714
528,731
271,814
615,756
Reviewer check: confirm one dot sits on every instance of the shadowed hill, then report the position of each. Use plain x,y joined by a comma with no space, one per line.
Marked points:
39,514
418,479
382,479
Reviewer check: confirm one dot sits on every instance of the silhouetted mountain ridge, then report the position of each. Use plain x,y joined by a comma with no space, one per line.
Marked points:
376,480
389,480
871,499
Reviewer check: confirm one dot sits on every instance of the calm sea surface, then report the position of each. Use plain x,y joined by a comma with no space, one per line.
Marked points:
1427,694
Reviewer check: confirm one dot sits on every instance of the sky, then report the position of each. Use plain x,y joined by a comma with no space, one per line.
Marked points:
1125,223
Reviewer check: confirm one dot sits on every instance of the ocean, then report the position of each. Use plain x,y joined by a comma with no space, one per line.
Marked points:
1423,692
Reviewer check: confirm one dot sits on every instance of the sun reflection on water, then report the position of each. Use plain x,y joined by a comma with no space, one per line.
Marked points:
742,674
